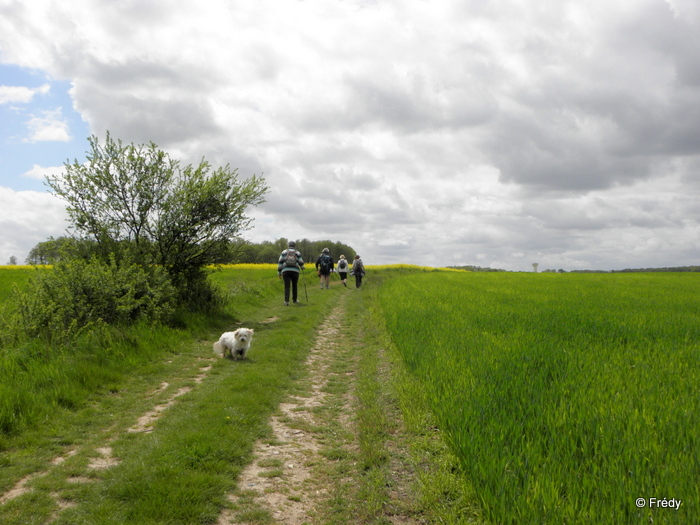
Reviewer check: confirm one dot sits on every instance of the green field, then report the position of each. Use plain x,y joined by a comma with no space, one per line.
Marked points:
566,397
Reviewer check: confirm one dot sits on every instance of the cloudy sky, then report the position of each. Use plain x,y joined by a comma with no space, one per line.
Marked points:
492,133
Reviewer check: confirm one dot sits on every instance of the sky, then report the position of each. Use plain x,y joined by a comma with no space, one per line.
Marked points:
439,133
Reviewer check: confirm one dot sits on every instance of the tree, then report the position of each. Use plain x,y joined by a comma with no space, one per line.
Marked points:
51,251
135,199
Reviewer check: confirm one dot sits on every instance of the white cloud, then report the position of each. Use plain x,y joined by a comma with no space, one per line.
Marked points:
48,127
20,94
40,173
26,219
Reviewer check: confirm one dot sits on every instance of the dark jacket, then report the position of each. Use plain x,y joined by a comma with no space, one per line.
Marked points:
318,262
358,267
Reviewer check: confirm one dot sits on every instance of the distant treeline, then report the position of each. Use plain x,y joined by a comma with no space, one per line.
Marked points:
240,251
475,268
628,270
269,251
631,270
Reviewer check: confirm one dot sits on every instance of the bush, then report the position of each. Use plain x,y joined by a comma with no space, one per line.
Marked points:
79,294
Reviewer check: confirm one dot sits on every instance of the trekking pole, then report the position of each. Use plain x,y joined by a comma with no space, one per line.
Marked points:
306,294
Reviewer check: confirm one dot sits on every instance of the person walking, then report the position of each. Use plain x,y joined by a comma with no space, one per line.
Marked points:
289,266
343,268
358,270
324,267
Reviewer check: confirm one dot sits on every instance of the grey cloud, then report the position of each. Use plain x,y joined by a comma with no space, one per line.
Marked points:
417,104
495,135
135,109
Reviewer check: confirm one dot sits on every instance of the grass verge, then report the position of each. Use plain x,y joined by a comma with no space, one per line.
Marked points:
406,471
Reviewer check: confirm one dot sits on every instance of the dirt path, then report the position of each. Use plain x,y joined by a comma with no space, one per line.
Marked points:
282,479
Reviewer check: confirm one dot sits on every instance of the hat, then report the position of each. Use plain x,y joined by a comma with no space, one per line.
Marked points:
326,250
292,244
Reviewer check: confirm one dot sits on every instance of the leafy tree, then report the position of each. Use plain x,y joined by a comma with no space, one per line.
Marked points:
136,200
51,251
269,251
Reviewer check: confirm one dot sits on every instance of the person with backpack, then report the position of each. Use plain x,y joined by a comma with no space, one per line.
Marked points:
358,270
289,266
324,267
343,268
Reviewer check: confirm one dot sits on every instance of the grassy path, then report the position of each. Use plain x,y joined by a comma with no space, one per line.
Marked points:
310,429
339,451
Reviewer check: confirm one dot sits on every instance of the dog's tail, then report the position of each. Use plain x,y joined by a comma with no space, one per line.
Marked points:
217,349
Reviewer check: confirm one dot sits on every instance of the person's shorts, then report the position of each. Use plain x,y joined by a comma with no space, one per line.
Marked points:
321,272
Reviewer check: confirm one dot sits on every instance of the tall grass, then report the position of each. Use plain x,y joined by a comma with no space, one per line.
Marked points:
566,397
40,380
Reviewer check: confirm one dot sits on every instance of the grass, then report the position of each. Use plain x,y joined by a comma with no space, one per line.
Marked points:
456,397
565,397
183,471
180,473
405,466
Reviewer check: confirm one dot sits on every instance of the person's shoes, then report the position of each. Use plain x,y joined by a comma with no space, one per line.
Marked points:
286,303
296,302
345,284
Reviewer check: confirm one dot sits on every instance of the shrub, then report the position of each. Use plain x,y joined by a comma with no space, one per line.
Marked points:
78,294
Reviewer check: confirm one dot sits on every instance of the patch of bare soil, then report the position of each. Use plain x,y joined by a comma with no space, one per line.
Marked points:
281,477
19,489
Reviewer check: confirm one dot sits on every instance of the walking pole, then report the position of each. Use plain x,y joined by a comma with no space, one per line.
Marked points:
306,294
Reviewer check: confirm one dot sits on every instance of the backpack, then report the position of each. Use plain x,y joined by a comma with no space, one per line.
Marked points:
342,264
358,267
325,263
291,259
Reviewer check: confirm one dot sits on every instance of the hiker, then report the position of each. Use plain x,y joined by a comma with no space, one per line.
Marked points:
324,267
343,268
289,267
358,270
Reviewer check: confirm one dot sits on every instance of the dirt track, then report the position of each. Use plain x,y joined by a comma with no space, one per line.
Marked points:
292,493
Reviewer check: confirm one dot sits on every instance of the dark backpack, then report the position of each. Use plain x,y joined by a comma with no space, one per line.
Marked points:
291,258
342,264
325,263
358,267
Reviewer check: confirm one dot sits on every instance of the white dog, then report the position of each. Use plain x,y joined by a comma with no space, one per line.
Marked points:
234,344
